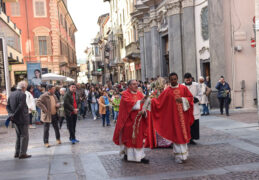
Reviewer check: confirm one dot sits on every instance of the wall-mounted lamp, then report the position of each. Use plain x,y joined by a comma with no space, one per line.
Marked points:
238,48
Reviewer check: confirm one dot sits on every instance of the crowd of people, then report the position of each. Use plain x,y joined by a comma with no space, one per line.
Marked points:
128,103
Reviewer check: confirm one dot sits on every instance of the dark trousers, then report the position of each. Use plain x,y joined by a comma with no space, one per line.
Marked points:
61,119
195,129
224,102
71,126
22,139
30,118
54,121
106,117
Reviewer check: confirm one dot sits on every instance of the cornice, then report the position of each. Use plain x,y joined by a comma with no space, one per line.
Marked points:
173,8
187,3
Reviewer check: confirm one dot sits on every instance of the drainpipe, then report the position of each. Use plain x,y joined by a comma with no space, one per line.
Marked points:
181,31
28,33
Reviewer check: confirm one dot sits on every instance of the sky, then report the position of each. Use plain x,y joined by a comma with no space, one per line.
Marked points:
85,15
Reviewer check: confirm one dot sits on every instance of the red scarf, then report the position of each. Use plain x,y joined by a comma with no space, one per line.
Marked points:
74,102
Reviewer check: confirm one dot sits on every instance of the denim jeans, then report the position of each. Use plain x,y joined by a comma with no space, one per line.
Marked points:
106,117
38,114
94,108
116,113
205,109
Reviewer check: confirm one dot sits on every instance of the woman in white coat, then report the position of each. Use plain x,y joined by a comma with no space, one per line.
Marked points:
204,98
30,101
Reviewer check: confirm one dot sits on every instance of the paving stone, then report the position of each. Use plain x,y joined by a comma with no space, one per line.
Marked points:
203,157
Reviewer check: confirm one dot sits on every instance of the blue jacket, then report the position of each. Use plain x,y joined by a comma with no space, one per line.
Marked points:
222,90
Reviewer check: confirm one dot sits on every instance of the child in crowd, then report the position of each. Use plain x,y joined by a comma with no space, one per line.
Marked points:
116,106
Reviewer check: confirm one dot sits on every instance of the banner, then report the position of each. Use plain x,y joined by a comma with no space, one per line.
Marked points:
34,73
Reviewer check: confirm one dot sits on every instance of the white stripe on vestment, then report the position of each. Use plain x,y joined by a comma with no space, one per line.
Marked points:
180,151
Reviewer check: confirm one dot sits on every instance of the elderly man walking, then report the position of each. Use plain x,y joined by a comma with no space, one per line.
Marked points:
18,112
48,103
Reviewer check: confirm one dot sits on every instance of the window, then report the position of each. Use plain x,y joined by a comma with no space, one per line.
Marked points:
43,50
40,8
15,9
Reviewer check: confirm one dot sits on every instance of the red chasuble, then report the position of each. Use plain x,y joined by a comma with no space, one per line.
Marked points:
123,134
168,118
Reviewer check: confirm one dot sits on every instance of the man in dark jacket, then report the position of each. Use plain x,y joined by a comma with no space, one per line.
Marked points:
223,94
71,110
18,112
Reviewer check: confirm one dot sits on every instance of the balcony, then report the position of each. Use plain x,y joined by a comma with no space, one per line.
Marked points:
132,51
96,73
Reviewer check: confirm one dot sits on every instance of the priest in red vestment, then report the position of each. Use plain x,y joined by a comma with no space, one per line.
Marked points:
131,127
172,116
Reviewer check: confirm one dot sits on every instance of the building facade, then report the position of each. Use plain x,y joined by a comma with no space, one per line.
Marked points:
47,36
10,53
123,40
203,37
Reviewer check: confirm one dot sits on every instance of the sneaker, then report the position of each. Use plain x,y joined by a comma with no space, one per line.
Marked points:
38,123
73,141
47,145
95,118
58,142
77,141
178,161
31,127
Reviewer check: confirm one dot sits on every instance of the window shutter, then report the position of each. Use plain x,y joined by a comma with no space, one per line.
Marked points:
49,46
36,45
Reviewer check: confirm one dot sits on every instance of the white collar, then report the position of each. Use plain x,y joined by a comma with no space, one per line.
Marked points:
175,86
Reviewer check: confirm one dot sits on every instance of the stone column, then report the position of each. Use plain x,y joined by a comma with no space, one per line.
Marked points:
155,44
175,39
189,40
142,56
217,39
148,52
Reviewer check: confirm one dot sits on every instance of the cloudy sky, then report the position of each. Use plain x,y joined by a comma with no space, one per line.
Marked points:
85,14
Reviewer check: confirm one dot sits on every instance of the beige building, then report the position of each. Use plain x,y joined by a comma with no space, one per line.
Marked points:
124,38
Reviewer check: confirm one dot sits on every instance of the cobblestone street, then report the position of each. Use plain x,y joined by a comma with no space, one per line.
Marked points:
228,149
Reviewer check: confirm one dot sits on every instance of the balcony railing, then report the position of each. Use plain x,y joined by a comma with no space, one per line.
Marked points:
132,51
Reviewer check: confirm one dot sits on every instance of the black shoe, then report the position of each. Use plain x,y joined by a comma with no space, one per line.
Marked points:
125,157
108,125
25,156
16,155
192,142
103,125
144,161
227,114
203,114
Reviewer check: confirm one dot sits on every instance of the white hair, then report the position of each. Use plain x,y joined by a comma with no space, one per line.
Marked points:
63,89
22,84
201,78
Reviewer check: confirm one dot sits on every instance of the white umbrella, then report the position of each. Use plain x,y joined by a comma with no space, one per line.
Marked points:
70,79
53,77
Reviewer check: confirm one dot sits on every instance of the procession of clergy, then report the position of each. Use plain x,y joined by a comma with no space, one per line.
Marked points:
173,116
